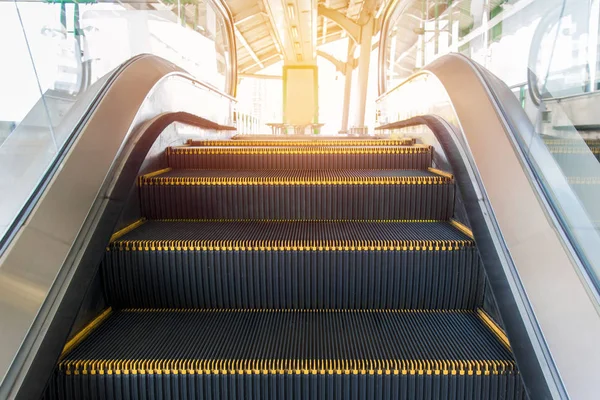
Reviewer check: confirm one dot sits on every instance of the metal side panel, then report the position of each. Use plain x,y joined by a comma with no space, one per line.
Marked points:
552,320
38,265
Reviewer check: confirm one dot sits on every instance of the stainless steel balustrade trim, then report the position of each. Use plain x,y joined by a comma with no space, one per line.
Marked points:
545,282
38,264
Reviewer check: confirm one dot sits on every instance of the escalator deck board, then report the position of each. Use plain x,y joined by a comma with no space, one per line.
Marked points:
275,341
295,235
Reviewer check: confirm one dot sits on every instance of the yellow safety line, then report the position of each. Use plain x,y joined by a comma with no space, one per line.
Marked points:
571,142
414,149
379,221
155,173
85,332
127,229
490,323
463,228
440,172
578,149
288,366
583,180
291,245
293,181
308,142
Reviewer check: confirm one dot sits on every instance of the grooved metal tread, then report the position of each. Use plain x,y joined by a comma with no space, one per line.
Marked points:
193,341
291,176
290,235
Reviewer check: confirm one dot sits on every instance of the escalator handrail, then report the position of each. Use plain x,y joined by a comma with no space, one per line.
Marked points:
22,216
109,139
506,121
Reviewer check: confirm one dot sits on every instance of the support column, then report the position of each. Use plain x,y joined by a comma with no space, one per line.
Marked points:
366,36
347,86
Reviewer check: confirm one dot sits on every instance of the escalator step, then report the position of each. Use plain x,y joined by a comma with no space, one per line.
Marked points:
199,354
287,265
301,157
296,194
550,141
246,141
274,235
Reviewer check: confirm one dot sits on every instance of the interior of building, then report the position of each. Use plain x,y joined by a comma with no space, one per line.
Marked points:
299,199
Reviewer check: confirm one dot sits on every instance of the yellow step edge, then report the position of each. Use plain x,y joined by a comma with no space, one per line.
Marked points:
583,180
441,173
289,366
290,245
155,173
85,332
292,142
296,181
463,228
127,229
275,221
491,324
583,149
186,150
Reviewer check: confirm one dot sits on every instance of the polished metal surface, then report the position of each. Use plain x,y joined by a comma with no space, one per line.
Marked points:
38,264
546,284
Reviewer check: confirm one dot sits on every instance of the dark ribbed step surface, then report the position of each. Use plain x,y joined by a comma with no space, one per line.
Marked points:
307,157
299,235
297,194
306,265
197,354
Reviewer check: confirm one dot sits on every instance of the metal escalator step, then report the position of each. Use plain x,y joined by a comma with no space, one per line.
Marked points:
288,142
301,157
549,141
200,354
297,194
293,264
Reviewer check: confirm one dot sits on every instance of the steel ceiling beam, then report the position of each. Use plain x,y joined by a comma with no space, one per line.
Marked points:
348,25
246,45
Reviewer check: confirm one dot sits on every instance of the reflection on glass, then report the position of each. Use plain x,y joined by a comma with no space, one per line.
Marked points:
547,52
497,34
58,50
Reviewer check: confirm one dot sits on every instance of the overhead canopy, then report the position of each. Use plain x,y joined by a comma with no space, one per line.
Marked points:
267,31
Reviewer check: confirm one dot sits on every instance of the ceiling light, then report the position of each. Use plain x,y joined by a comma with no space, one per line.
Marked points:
295,32
291,11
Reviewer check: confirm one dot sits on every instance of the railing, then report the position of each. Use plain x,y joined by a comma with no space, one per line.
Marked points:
80,195
61,55
563,211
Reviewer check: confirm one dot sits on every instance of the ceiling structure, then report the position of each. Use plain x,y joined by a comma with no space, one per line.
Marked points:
406,31
268,31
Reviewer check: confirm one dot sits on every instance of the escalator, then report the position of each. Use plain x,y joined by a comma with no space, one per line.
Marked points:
292,269
190,264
